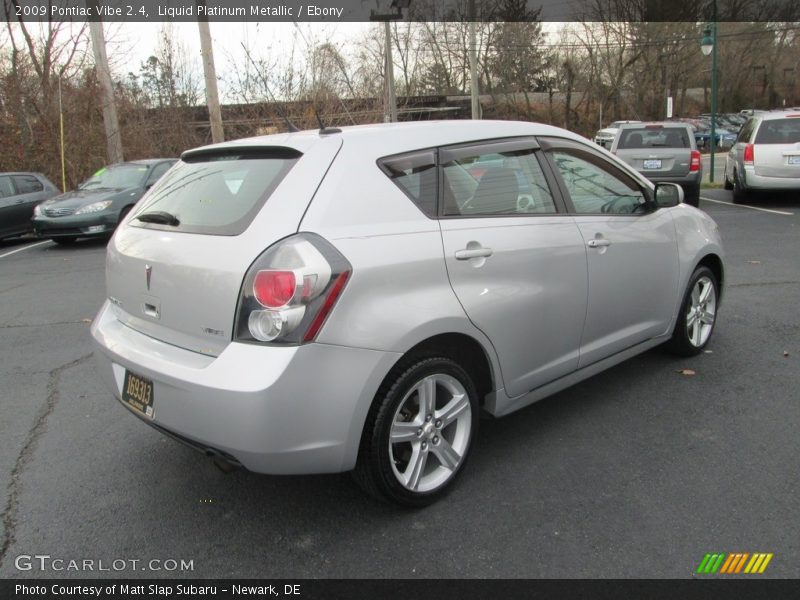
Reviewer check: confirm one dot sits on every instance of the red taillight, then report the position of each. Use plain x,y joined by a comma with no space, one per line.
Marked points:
749,154
274,289
694,166
330,300
289,291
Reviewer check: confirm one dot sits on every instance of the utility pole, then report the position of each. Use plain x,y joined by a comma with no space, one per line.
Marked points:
390,100
113,136
473,63
389,96
210,72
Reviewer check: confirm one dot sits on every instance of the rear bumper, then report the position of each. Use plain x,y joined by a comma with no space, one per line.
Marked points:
279,410
760,182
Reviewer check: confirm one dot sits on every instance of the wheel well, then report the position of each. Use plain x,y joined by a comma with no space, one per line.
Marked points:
713,262
461,348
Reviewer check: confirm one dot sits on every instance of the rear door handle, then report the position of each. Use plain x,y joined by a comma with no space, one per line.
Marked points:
598,243
466,254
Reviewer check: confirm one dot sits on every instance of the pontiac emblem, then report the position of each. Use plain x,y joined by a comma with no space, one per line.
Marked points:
148,271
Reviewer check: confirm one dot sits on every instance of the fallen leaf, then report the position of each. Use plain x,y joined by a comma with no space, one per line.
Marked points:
708,351
86,320
754,262
786,353
687,372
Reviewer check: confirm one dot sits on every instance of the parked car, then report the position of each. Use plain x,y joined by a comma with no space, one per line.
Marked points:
766,155
19,194
100,203
663,151
723,138
605,137
351,299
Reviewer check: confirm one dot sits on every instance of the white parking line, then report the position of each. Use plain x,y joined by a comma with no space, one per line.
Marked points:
25,248
768,210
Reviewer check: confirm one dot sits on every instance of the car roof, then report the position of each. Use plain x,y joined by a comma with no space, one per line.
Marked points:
660,124
383,139
778,114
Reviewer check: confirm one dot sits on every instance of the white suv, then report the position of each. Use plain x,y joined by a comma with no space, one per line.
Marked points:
766,155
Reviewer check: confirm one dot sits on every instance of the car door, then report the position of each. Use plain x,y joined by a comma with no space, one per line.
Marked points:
631,247
13,210
516,263
735,157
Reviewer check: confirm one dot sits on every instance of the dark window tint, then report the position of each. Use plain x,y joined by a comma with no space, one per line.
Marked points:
746,131
661,137
779,131
496,183
27,184
415,174
6,187
596,186
158,172
217,194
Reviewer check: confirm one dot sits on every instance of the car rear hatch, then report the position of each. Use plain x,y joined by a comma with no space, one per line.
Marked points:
777,148
174,270
656,151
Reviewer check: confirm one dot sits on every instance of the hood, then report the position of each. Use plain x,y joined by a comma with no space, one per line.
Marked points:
79,198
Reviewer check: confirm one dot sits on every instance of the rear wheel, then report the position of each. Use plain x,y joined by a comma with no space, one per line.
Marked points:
740,194
698,314
692,196
726,183
419,432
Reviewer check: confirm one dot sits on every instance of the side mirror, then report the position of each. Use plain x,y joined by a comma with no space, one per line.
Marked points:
668,194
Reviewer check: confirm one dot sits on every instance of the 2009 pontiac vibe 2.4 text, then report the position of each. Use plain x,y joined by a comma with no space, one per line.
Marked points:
338,300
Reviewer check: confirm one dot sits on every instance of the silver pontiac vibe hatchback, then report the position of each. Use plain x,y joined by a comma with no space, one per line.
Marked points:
352,299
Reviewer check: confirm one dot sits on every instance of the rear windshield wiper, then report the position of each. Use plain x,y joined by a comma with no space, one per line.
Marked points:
159,216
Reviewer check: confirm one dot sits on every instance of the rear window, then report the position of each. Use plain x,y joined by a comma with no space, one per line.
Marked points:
779,131
216,194
662,137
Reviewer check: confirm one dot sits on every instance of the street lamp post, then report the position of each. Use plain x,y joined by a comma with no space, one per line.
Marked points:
709,46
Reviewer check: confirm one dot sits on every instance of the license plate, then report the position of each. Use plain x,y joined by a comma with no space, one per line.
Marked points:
794,160
652,164
137,392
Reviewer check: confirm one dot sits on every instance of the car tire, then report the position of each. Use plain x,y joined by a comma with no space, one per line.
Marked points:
740,194
430,406
698,314
64,241
726,183
692,196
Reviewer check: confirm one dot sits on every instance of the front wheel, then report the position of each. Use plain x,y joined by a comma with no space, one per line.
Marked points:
64,241
419,432
698,314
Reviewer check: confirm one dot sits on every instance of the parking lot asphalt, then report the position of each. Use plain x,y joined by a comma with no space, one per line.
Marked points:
637,472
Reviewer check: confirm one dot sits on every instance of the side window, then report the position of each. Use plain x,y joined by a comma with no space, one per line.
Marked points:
746,131
157,172
496,183
595,187
6,187
415,174
27,184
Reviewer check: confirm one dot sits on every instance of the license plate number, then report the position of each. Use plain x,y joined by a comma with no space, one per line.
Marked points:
794,160
652,164
137,392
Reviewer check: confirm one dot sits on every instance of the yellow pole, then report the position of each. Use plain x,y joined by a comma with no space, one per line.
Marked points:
61,124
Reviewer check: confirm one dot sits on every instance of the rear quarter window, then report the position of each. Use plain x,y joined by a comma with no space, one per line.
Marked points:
415,174
217,194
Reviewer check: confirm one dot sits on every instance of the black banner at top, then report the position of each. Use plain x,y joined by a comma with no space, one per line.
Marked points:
337,11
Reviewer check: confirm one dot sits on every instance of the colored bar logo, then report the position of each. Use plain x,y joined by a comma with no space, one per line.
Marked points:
734,563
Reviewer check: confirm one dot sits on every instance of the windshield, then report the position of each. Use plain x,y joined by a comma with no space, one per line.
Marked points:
116,177
215,194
